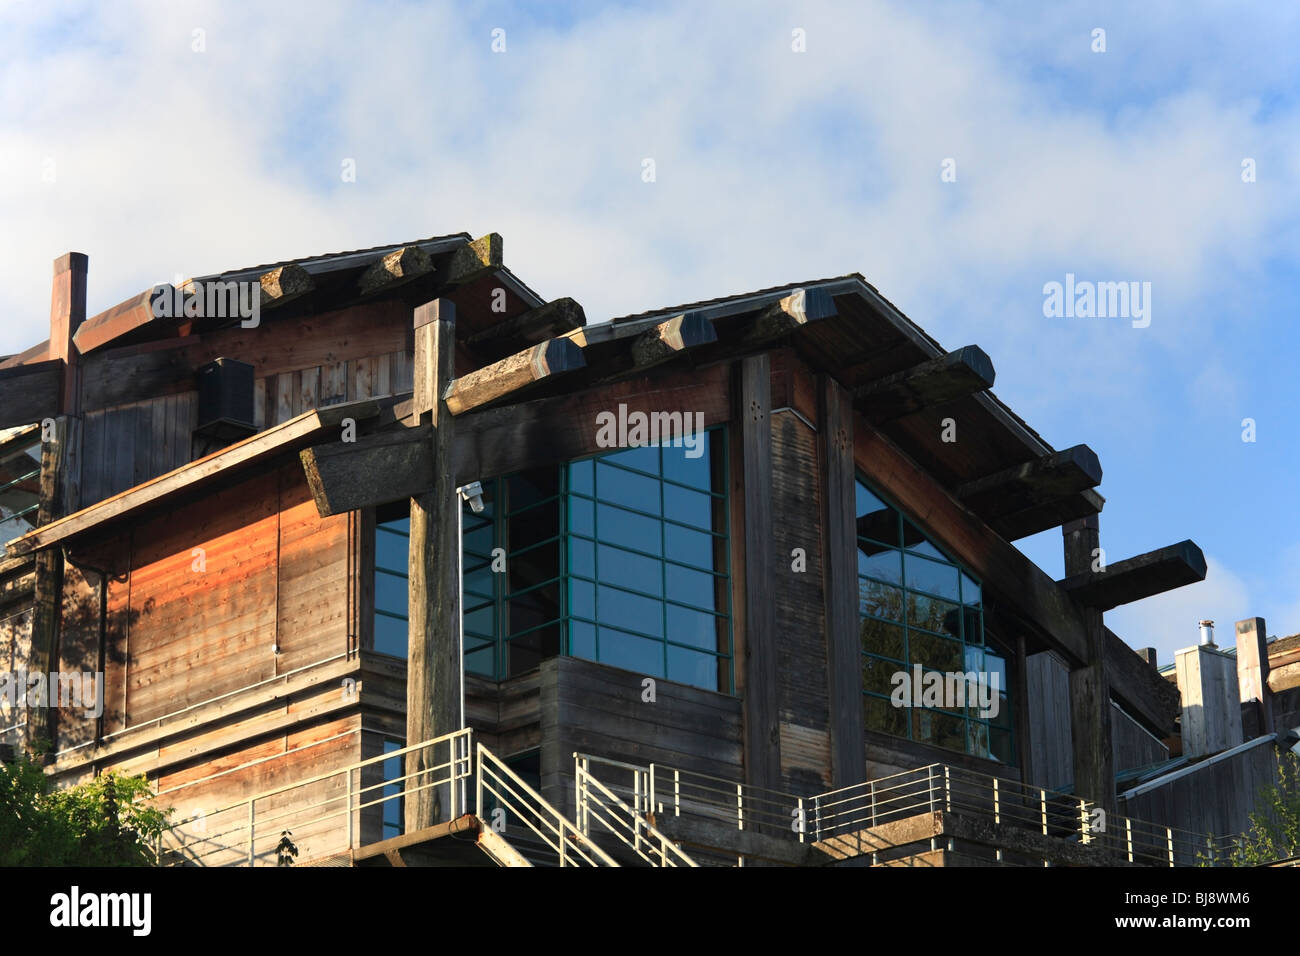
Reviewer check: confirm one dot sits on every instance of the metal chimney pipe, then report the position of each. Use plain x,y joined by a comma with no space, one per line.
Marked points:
1207,634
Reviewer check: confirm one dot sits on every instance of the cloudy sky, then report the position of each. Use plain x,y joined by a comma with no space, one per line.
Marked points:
188,138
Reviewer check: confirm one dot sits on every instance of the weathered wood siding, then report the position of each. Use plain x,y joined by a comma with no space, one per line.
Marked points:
1051,755
800,606
599,710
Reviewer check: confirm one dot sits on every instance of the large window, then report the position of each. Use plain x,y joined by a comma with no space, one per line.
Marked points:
621,558
919,607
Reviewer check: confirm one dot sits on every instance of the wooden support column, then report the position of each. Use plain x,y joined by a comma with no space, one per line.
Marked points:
67,312
843,644
433,669
762,730
1252,671
1094,772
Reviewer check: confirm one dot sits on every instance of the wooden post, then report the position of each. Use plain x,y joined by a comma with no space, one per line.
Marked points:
843,643
762,731
67,312
1094,775
1252,671
433,675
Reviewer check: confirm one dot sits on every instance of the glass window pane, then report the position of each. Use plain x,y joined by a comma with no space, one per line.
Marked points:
532,567
582,640
876,519
643,458
481,662
534,525
391,550
878,674
933,614
916,542
582,599
884,639
690,507
582,516
692,667
638,654
942,730
688,547
582,557
526,652
970,591
630,610
391,592
878,561
880,714
926,575
533,608
390,635
481,621
627,529
880,600
580,477
629,570
478,541
934,652
528,488
696,472
479,582
695,628
692,587
627,488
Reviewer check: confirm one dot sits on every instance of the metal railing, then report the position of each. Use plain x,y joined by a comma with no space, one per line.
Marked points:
332,813
629,825
658,792
938,787
570,846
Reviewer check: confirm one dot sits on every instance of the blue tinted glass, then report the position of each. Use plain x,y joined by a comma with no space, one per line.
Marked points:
481,661
390,635
478,582
631,611
876,519
695,628
644,458
582,516
580,479
481,621
582,598
627,488
689,507
479,541
582,640
630,570
617,526
630,652
880,600
402,525
926,575
696,472
391,592
692,667
878,561
691,587
391,550
970,591
688,547
582,557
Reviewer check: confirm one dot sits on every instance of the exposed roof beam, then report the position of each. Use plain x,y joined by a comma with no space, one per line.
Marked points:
1032,483
669,339
373,470
934,382
543,361
1136,578
407,263
801,306
474,259
122,318
1049,514
536,325
254,450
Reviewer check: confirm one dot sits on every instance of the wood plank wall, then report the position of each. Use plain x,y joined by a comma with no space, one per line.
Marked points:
128,444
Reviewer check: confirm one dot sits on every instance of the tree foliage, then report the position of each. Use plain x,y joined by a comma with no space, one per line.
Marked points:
107,821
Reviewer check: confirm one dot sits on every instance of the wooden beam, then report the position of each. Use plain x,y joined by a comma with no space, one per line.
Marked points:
403,265
1090,724
1136,578
197,474
669,339
843,643
30,393
122,318
373,470
939,380
1049,514
1139,688
762,713
792,312
478,388
67,313
136,372
556,317
475,259
1055,618
434,670
1033,483
283,285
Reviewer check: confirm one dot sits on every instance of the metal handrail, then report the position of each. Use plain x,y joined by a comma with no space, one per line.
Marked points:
565,839
625,823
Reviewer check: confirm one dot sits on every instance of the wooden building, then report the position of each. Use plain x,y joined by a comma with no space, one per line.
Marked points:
403,495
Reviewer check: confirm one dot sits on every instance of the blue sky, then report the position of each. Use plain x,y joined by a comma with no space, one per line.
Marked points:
120,139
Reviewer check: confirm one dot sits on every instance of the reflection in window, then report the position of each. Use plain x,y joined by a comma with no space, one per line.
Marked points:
917,606
621,558
20,486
